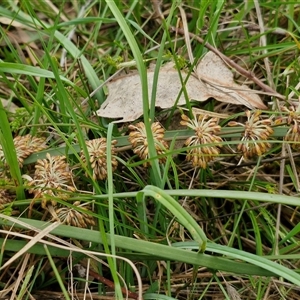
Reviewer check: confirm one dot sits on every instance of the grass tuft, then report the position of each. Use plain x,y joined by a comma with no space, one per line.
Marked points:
195,205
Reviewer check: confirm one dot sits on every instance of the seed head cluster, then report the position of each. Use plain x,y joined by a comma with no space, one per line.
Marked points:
5,198
139,142
256,132
72,216
205,139
52,179
25,145
293,120
97,149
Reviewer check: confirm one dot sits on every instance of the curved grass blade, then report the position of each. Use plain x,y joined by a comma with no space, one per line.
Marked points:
262,262
179,212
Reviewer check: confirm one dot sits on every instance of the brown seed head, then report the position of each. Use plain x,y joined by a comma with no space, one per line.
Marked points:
138,139
73,217
5,198
25,145
256,131
97,149
293,120
206,138
52,178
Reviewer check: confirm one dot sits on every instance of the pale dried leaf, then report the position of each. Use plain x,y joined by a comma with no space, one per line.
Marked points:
8,21
220,83
125,93
214,80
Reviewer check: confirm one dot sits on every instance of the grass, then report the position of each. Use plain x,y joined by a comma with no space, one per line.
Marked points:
154,227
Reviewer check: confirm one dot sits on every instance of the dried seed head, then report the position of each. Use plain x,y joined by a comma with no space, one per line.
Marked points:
52,178
256,131
138,139
5,198
73,217
206,130
97,149
25,146
293,120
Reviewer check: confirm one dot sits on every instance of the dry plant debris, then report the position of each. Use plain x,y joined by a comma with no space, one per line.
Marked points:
213,79
220,84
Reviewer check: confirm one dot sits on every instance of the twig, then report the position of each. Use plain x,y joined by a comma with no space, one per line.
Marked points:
251,163
110,284
231,63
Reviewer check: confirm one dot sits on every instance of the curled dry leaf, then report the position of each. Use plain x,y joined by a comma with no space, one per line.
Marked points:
212,80
219,82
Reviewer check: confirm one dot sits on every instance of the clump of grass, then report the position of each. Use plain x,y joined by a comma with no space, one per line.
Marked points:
213,217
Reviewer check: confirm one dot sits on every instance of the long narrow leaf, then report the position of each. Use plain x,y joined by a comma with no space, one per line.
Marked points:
157,251
14,68
180,213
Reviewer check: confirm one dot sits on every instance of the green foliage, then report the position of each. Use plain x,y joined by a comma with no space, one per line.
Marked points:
175,221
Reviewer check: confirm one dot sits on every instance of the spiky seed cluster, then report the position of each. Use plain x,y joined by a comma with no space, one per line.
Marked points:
256,132
293,120
206,130
25,146
97,149
73,217
52,178
5,198
138,139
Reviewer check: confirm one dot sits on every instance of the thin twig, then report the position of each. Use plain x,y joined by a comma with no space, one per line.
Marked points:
251,163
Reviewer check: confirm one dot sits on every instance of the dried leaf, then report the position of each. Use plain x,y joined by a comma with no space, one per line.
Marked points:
125,93
8,21
219,81
216,81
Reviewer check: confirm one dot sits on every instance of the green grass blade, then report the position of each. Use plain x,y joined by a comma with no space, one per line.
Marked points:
15,68
257,260
144,83
25,283
155,250
57,274
180,213
8,147
112,262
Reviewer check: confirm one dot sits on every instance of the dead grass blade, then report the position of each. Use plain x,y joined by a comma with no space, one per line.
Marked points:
33,241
